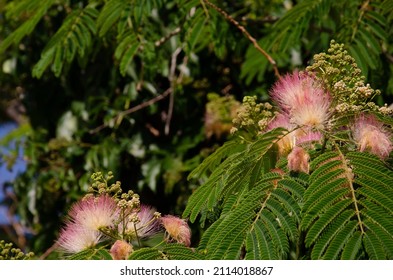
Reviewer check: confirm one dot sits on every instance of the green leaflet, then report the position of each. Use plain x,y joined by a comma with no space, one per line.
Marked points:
37,8
167,252
351,251
275,233
229,235
362,49
110,14
126,51
125,14
259,245
180,252
92,254
355,53
196,30
75,35
255,65
260,221
242,168
211,162
146,254
287,30
348,207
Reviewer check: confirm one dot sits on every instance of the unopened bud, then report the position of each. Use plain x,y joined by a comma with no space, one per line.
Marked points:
121,250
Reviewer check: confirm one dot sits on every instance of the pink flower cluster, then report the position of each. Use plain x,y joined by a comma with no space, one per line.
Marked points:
304,110
370,136
177,229
86,217
89,216
90,219
302,100
141,223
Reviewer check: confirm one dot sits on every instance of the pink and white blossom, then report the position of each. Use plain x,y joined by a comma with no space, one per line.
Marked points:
371,136
303,99
94,212
286,143
177,229
307,137
142,223
74,238
280,120
86,218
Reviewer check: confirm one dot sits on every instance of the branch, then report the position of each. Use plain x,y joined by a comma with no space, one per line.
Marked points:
172,81
248,35
49,251
132,110
167,92
167,37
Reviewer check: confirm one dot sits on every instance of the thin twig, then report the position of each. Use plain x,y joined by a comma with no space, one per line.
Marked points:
248,35
170,113
167,37
171,97
49,251
133,109
18,229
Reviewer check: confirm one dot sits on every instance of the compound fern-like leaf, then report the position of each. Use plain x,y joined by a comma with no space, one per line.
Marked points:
264,220
167,252
347,207
74,36
241,168
36,8
92,254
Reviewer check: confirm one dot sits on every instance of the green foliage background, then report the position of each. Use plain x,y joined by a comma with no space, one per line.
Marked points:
82,66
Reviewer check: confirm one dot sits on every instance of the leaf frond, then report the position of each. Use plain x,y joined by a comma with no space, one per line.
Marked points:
348,207
37,9
74,36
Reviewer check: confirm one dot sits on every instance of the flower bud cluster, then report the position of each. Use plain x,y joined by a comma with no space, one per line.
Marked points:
252,116
8,252
343,79
385,110
129,200
107,215
100,185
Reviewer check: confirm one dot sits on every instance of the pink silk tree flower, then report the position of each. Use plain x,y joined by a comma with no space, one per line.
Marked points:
298,160
177,229
370,135
86,217
304,99
143,223
306,137
94,212
280,120
312,114
286,143
296,136
74,238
